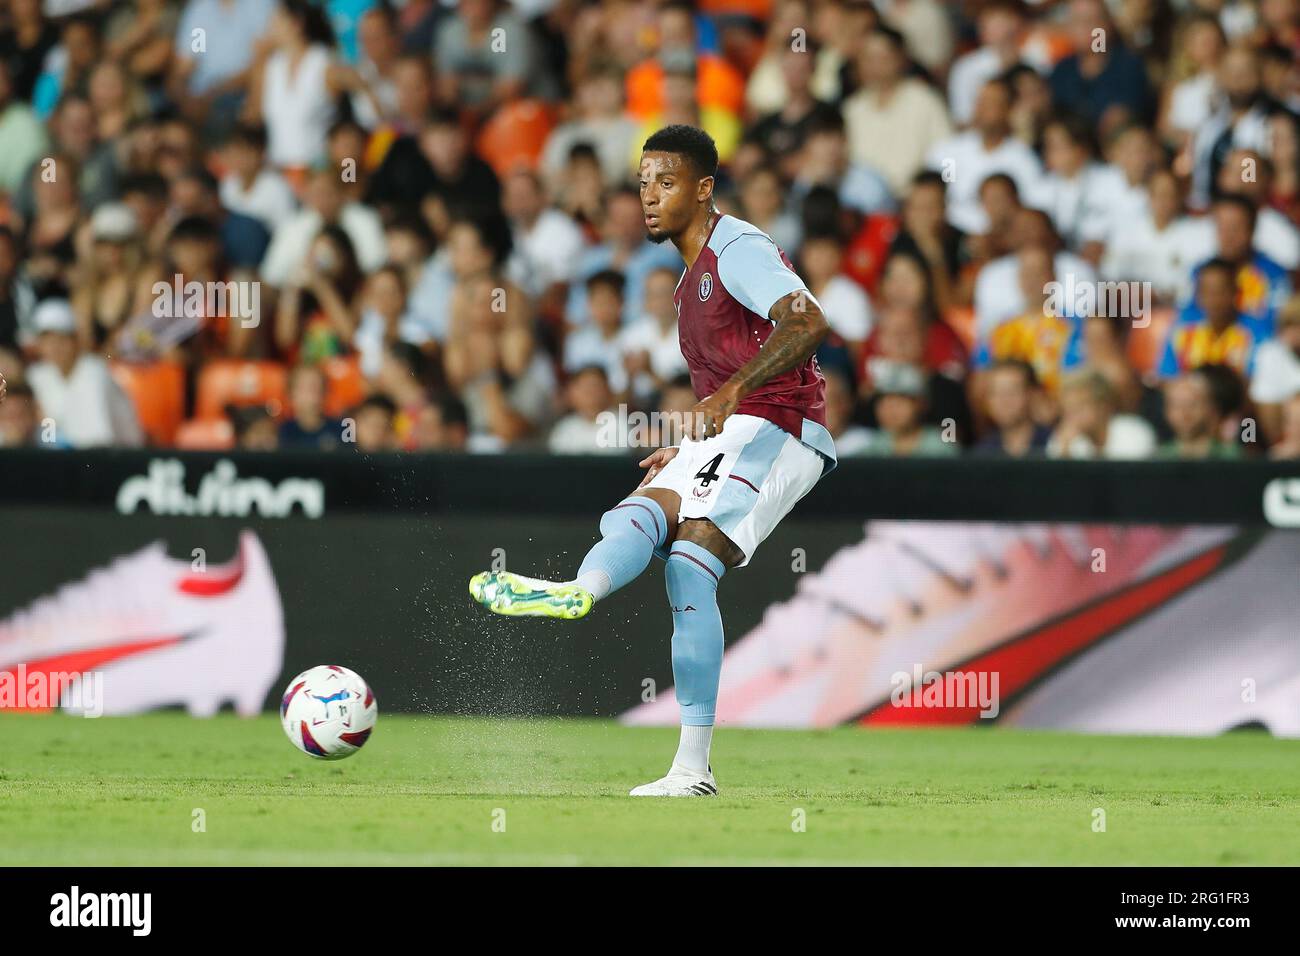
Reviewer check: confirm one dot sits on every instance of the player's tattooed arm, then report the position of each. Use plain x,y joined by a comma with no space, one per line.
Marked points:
800,328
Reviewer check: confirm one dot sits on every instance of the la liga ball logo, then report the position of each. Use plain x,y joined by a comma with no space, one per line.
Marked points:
706,286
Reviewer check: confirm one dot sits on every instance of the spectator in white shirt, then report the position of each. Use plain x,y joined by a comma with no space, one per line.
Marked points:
845,304
598,341
998,294
251,186
1000,24
1118,194
1090,426
1160,245
1197,51
988,147
547,242
1276,379
894,119
77,392
587,429
1073,178
652,349
326,204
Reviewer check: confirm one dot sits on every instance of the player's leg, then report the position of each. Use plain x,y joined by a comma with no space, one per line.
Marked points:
631,531
699,557
741,495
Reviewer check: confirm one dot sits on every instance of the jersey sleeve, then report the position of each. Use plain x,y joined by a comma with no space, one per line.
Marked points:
750,268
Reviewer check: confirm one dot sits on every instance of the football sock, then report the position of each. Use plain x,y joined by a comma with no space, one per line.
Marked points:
693,749
631,530
693,573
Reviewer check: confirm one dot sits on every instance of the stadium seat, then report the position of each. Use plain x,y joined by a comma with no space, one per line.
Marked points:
1146,344
515,136
345,386
157,389
240,382
205,434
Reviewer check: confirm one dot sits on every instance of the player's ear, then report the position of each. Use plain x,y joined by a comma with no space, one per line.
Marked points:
705,189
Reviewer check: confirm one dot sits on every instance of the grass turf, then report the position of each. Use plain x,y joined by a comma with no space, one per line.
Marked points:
124,791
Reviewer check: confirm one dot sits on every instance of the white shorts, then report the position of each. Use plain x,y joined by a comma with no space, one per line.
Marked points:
744,480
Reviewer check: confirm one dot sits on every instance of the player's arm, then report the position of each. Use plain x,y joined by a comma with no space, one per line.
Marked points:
750,267
800,328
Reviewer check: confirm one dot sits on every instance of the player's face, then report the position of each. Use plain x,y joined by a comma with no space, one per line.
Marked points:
670,194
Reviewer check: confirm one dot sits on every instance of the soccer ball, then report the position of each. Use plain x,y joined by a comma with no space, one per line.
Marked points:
328,712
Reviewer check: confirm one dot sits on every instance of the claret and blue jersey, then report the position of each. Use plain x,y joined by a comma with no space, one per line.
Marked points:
723,301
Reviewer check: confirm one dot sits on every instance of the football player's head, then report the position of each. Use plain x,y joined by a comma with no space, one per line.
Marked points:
678,167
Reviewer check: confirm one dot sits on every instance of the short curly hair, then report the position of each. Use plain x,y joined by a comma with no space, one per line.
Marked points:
689,141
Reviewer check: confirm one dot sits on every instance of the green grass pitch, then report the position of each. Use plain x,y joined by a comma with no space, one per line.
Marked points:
125,791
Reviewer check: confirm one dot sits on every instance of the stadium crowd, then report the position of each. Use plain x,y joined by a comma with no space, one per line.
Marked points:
1063,228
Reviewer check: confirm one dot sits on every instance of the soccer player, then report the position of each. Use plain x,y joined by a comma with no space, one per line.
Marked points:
755,443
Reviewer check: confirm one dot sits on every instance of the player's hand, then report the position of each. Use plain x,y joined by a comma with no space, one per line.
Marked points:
709,413
656,461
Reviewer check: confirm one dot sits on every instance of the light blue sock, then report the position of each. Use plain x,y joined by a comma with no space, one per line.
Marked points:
631,530
693,574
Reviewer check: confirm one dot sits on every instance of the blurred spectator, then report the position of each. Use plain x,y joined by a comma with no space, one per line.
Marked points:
325,206
652,352
317,314
372,425
1009,405
1091,425
255,428
626,249
547,243
1000,24
385,319
434,158
216,43
847,308
823,160
307,426
108,293
1196,410
967,159
597,343
18,418
584,431
16,297
599,122
76,390
1102,80
1288,442
1276,376
250,186
894,120
1213,331
851,439
899,410
442,425
484,55
23,139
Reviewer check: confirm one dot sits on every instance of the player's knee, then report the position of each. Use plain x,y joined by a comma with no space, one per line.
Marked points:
705,534
635,516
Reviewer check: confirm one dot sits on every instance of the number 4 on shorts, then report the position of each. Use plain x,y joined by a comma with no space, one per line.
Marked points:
709,473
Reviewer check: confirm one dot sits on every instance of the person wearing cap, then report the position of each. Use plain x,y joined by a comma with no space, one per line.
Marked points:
103,300
75,390
1277,369
899,405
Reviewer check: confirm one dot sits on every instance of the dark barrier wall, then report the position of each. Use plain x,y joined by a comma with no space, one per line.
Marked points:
377,580
969,488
